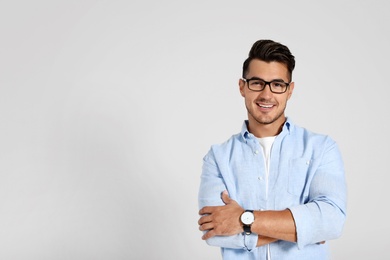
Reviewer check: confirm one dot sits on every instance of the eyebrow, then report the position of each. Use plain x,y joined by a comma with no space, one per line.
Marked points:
281,80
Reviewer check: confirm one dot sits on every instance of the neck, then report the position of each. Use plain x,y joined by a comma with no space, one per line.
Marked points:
265,130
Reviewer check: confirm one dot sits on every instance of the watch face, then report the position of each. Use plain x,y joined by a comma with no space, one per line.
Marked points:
247,218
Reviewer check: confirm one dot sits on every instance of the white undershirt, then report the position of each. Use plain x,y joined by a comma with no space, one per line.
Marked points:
266,143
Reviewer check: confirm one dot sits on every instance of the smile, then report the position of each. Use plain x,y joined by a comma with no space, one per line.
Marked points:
264,105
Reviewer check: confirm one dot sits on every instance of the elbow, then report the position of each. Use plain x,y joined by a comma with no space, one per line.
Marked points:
212,242
336,227
217,241
326,224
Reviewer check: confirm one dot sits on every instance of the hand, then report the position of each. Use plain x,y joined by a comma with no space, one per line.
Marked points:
221,220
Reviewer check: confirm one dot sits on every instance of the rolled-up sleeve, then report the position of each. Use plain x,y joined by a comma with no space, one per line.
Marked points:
211,187
323,217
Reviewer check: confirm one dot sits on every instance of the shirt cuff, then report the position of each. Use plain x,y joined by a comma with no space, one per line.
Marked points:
250,241
302,225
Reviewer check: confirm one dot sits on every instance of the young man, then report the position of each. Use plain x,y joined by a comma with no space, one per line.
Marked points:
275,190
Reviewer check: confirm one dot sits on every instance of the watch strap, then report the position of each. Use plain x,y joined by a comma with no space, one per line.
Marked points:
247,230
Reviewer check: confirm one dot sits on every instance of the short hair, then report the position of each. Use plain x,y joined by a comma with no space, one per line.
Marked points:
268,50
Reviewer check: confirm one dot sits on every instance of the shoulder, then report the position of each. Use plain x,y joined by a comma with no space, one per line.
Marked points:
234,140
309,138
306,133
221,150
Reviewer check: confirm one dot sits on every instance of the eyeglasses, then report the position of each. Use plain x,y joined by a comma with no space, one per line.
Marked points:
276,86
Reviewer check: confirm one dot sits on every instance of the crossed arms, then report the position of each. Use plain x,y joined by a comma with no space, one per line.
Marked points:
225,221
318,219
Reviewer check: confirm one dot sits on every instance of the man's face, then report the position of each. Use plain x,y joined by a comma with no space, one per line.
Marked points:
265,107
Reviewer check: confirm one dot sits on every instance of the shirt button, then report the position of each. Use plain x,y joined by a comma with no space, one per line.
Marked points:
256,152
307,162
260,178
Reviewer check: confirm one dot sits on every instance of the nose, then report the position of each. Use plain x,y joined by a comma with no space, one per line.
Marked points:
266,92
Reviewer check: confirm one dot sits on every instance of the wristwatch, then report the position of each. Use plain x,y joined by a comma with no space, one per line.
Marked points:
247,218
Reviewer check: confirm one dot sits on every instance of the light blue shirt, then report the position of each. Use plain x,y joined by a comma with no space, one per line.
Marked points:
306,175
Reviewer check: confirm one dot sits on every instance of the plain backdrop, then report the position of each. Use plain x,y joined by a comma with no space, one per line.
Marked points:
108,107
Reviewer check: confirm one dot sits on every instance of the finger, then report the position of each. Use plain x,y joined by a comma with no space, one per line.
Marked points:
204,219
225,197
206,210
208,235
206,226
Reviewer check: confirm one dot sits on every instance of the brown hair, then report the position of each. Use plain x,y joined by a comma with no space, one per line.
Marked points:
268,50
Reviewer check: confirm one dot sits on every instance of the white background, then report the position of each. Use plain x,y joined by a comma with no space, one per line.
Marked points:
108,107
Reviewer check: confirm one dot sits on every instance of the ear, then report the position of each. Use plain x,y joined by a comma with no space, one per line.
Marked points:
241,84
290,90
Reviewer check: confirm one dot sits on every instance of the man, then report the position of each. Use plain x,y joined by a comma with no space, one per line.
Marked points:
275,190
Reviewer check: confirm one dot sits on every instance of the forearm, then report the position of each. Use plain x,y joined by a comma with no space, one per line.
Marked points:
278,225
262,240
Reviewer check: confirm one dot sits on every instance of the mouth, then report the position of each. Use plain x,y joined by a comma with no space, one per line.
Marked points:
265,106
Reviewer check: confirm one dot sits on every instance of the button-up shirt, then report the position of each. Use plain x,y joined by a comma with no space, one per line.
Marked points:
306,176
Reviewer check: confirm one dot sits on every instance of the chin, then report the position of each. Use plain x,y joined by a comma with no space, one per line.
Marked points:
267,120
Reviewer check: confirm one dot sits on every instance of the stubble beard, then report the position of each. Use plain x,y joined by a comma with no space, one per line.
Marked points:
263,120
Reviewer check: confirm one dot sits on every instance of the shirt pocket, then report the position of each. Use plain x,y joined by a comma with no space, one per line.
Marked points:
298,175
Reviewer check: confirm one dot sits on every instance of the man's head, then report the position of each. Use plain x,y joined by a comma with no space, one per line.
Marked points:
266,86
268,50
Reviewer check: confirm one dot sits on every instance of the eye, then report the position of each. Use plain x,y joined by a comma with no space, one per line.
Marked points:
276,84
257,82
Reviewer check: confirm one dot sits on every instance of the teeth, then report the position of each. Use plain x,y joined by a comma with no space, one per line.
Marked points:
266,106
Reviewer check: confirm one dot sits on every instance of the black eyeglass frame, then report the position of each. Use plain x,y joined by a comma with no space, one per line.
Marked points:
267,83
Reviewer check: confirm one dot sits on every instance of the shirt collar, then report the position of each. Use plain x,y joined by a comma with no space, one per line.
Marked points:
287,129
